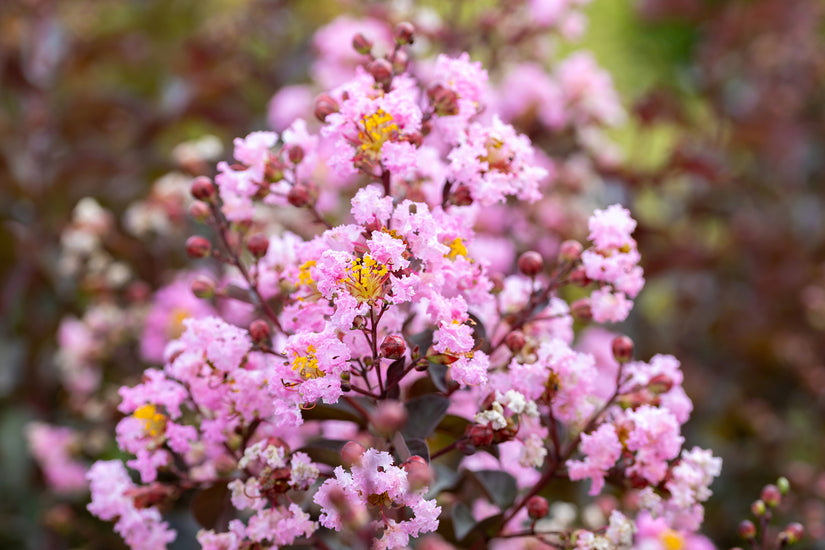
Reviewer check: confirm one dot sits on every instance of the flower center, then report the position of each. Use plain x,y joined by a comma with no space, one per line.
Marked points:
672,540
307,365
175,327
457,249
154,423
378,128
304,277
365,279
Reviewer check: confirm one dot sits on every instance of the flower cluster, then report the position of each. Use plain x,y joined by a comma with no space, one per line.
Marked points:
381,346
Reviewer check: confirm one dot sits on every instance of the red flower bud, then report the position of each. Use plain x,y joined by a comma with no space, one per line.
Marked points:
794,532
202,188
203,287
296,154
580,310
361,44
258,244
579,277
259,331
462,196
198,247
325,105
199,210
393,347
381,71
481,435
389,417
531,263
746,529
299,195
404,33
537,507
771,495
570,251
515,341
622,348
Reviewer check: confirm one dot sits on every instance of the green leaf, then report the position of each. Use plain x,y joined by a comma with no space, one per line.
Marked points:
419,447
452,425
445,478
424,414
208,505
438,374
500,487
394,374
463,521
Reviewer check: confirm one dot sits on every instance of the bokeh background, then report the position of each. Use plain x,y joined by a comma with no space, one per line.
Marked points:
724,167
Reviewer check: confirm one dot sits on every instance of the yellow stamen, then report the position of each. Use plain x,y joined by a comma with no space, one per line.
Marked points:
175,326
304,277
672,540
378,128
307,366
457,249
154,422
365,279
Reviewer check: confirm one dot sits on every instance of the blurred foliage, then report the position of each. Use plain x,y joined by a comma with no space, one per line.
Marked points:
725,167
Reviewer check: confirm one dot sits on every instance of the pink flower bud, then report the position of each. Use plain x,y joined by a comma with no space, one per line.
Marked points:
258,244
515,341
389,417
352,452
325,105
793,533
393,347
202,188
746,529
419,474
622,348
259,331
404,33
203,287
296,154
531,263
579,277
570,251
199,210
361,44
581,311
381,71
537,507
400,61
198,247
771,495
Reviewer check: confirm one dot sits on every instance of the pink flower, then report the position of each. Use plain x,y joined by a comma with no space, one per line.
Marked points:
609,307
52,448
655,439
602,449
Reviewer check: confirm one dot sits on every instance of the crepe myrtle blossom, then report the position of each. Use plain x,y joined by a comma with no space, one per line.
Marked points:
376,485
384,333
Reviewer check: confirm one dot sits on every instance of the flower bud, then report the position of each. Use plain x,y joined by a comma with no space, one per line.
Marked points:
466,447
793,532
531,263
325,105
537,507
661,383
579,277
358,322
771,495
746,529
352,452
296,154
198,247
393,347
758,508
389,417
570,251
783,485
443,99
258,244
462,196
404,33
202,188
419,474
480,435
581,311
203,286
259,331
498,282
381,71
299,195
622,348
361,44
199,211
400,61
515,341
